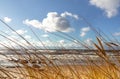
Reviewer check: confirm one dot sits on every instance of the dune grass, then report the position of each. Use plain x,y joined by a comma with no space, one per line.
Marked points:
34,66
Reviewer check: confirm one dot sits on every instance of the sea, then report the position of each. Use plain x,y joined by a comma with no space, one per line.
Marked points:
58,57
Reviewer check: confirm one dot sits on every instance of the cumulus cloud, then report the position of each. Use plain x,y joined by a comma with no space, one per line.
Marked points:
65,14
27,37
34,23
84,30
45,35
88,41
109,6
116,34
21,32
62,41
53,22
82,34
7,19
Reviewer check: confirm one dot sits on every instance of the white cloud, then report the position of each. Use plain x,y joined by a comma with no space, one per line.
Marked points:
84,30
21,32
45,35
7,19
109,6
27,37
88,41
117,34
82,34
70,14
34,23
53,22
62,41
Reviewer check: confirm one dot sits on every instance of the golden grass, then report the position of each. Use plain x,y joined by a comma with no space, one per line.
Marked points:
67,72
105,68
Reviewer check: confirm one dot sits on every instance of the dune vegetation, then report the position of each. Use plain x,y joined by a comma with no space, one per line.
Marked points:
34,66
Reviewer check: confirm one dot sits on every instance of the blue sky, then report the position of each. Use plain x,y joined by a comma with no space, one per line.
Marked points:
62,15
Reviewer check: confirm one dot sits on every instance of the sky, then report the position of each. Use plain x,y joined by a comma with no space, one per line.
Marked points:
47,17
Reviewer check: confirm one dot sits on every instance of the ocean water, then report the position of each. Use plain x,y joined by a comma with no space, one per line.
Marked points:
59,59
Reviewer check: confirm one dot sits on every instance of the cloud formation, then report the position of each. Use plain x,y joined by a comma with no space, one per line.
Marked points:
53,22
45,35
109,6
84,30
88,41
7,19
20,31
117,34
62,41
65,14
27,37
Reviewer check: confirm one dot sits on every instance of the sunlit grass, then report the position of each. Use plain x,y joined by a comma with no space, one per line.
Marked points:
34,66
